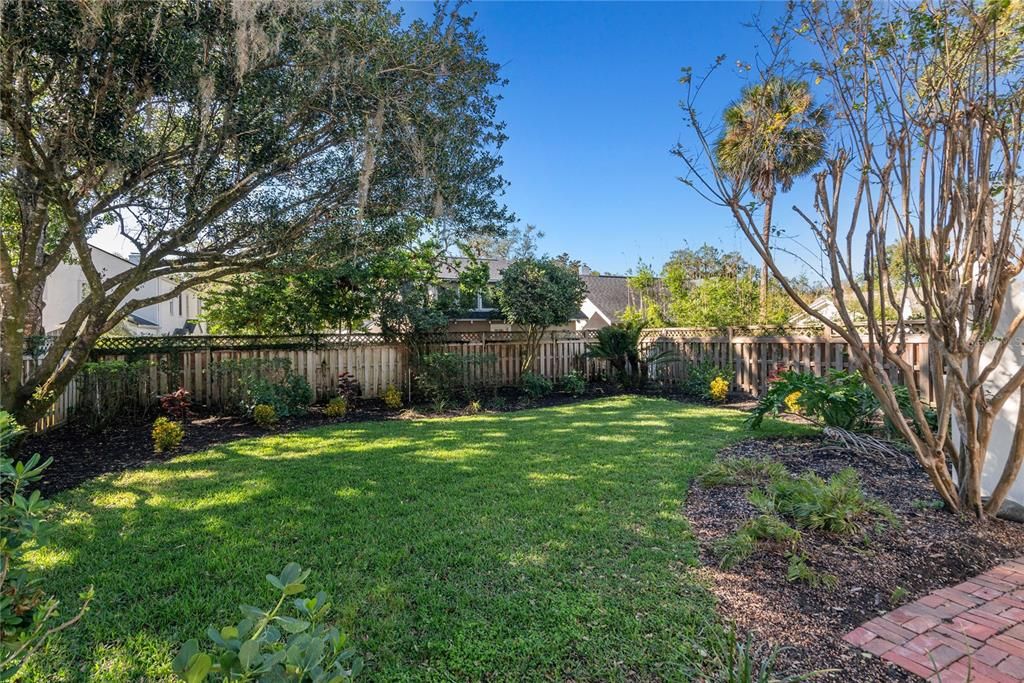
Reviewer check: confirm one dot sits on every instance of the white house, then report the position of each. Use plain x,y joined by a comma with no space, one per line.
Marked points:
1006,421
67,286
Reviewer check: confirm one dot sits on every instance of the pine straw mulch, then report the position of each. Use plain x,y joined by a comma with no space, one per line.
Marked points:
930,549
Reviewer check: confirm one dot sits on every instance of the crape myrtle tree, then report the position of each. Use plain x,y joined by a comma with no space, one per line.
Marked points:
538,293
215,136
925,152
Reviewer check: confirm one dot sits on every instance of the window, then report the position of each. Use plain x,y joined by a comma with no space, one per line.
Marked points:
188,306
171,304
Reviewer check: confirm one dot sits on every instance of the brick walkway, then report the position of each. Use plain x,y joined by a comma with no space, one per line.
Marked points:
970,632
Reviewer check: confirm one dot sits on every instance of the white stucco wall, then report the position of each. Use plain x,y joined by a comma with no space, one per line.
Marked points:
67,286
1002,434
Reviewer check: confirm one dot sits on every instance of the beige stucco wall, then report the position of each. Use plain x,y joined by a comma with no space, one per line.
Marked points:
1002,434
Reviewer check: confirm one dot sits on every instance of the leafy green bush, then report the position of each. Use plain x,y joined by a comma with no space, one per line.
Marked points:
28,614
273,646
167,434
573,383
536,386
110,391
440,376
392,397
249,382
336,407
264,415
840,399
699,377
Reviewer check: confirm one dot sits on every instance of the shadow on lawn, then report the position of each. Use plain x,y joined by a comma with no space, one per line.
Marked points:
540,544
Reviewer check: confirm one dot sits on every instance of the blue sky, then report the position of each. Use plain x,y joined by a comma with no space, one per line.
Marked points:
592,111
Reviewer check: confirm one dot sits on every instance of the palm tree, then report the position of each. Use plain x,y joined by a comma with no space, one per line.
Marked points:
773,134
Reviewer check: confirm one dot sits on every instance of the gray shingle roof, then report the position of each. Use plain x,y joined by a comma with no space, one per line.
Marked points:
611,294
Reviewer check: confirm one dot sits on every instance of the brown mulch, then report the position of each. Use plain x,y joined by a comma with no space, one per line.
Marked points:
930,549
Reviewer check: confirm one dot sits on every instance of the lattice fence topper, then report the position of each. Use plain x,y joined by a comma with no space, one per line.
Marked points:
148,345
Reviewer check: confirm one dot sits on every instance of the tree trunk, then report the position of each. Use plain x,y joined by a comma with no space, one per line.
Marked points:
766,234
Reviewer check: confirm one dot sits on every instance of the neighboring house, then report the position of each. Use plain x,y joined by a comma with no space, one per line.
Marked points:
67,286
826,306
608,296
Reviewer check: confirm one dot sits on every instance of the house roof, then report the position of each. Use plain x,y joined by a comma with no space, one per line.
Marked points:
611,294
139,320
451,270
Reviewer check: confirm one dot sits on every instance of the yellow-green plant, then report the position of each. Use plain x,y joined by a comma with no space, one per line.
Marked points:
392,397
337,407
167,434
718,390
793,402
264,415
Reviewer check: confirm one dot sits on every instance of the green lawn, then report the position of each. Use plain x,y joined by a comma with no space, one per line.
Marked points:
547,544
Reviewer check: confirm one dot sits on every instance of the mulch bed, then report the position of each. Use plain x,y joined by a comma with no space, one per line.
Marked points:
80,453
929,550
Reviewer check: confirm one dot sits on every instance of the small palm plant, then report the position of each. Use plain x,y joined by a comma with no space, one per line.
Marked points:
619,345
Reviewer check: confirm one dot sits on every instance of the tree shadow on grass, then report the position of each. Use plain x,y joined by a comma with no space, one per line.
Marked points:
548,544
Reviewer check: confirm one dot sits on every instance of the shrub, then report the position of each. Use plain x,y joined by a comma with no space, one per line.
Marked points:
349,387
270,381
110,392
336,407
718,390
392,397
177,404
269,645
474,407
536,386
838,505
441,375
167,434
30,616
264,415
573,383
699,377
840,399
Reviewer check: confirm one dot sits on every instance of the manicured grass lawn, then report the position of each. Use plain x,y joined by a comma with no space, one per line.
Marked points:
547,544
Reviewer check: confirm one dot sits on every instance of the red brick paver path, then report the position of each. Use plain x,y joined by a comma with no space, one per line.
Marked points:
970,632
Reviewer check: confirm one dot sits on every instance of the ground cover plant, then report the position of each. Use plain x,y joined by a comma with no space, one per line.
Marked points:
546,544
804,599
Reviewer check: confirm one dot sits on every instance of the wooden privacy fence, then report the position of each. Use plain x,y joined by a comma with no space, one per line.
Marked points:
192,362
